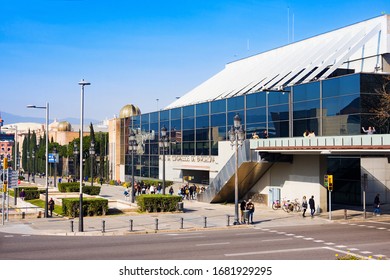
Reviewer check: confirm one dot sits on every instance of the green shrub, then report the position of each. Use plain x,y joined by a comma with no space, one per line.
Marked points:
112,182
31,194
75,187
158,202
62,186
91,206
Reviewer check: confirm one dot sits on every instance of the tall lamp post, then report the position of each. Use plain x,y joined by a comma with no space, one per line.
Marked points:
164,145
33,159
75,153
236,137
82,84
135,148
92,154
46,154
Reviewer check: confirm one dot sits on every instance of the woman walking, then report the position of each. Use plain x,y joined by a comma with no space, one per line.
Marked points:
304,205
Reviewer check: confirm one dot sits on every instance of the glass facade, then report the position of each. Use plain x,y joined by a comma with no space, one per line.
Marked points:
336,106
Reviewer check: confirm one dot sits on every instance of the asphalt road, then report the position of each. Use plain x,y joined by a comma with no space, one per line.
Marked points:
314,242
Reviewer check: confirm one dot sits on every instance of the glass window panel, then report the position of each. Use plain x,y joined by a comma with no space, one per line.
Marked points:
202,122
164,115
145,127
235,103
202,109
145,171
154,172
231,116
153,148
176,124
176,113
214,149
341,86
256,100
145,118
218,120
162,124
202,148
342,125
176,148
154,117
188,148
154,127
218,106
189,123
202,134
257,127
278,113
277,97
300,126
154,161
188,135
218,133
306,92
278,129
188,111
341,105
256,115
309,109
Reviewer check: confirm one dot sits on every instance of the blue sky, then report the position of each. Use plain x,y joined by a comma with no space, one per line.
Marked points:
139,51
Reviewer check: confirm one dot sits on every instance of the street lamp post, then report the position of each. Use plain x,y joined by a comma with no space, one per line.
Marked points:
46,155
164,145
15,127
236,137
82,83
135,148
92,154
75,153
33,159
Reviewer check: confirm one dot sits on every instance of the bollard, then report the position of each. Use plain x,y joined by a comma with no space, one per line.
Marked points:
205,222
156,228
181,223
23,215
103,226
228,220
345,214
71,226
131,225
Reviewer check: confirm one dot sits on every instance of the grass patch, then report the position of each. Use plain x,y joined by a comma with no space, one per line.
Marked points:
40,203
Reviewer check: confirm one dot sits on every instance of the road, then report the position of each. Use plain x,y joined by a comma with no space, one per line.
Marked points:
312,242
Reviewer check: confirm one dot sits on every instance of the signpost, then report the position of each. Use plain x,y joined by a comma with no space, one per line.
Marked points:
328,183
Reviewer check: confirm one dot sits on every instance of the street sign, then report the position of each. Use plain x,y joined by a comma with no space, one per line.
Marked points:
13,179
53,158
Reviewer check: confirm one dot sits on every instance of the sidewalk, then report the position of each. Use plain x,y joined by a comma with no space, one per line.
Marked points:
196,216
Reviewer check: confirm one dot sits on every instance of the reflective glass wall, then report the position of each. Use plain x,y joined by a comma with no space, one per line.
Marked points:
328,107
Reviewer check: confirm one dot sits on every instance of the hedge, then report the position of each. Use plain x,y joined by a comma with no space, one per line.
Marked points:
158,202
155,182
31,192
91,206
75,187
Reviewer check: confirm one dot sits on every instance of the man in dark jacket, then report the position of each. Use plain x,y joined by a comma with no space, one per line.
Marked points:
312,206
377,203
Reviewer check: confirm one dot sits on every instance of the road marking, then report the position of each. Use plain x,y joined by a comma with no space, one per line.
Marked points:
273,231
281,232
188,237
213,244
379,256
370,226
345,252
8,236
352,224
340,246
183,234
319,241
248,233
308,238
381,228
361,225
280,239
265,229
299,236
353,249
329,243
272,252
290,234
26,235
365,252
375,222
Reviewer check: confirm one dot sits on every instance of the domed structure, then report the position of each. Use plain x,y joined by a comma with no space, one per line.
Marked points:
64,126
129,110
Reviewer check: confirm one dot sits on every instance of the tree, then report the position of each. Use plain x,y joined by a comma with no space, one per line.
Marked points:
381,110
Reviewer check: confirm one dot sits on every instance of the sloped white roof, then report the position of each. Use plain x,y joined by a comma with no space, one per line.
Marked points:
356,47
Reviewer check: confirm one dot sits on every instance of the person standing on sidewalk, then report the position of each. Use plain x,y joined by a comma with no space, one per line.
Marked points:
51,206
377,202
242,209
304,205
251,208
312,206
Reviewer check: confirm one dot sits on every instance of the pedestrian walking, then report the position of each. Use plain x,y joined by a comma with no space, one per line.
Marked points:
251,208
312,206
22,194
304,205
51,206
377,202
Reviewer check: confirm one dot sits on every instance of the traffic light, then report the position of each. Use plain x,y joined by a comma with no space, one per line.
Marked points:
330,183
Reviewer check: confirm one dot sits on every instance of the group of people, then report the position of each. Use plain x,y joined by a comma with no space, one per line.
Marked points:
309,134
264,135
247,206
311,204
